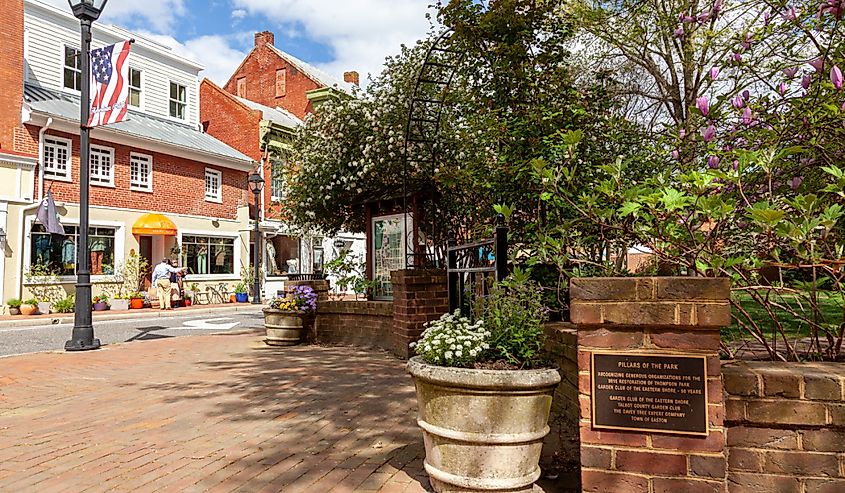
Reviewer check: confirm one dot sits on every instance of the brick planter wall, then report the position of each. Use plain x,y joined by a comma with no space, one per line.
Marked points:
657,315
419,296
561,453
785,427
360,323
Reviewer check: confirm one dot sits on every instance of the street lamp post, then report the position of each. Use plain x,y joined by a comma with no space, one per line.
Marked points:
82,337
256,184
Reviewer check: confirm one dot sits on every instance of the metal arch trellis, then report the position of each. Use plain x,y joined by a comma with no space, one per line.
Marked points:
422,131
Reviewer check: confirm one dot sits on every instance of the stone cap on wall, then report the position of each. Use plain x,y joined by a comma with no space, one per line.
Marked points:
377,308
653,301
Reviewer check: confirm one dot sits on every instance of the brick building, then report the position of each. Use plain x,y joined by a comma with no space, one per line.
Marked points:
160,186
257,112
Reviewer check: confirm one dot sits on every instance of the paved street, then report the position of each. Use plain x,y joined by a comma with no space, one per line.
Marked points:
145,326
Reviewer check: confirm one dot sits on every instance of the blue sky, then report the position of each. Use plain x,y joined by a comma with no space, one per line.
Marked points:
335,35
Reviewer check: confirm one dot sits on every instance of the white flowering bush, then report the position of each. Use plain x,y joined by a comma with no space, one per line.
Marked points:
453,340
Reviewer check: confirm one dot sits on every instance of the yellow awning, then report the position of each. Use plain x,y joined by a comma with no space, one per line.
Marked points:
154,224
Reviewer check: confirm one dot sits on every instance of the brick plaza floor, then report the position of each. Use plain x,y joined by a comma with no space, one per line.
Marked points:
215,413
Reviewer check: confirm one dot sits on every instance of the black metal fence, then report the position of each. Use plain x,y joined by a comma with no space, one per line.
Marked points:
473,267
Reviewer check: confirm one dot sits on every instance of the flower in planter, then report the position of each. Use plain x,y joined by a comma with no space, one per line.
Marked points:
453,340
299,299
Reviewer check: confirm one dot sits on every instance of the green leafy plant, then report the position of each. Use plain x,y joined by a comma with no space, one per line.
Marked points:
240,288
348,270
131,273
136,295
31,301
65,305
100,299
14,303
453,340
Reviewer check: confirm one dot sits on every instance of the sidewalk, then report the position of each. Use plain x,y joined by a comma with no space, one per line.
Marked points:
13,321
209,413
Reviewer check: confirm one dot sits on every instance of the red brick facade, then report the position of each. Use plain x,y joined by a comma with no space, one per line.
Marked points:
11,72
228,120
259,69
178,183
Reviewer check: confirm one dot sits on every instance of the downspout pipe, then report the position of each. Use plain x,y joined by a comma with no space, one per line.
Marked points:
41,158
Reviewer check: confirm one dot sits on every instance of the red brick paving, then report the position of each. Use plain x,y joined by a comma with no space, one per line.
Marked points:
216,413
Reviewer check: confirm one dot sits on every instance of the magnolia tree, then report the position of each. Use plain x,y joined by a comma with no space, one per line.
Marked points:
748,127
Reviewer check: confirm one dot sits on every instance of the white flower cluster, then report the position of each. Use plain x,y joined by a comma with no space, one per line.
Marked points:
453,340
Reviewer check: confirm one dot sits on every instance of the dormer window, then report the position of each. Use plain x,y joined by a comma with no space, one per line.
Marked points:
72,69
178,100
134,87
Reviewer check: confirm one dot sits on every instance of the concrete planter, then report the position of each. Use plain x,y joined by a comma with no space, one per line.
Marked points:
44,307
119,304
284,328
483,429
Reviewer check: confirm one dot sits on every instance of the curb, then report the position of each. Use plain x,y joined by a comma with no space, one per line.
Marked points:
68,318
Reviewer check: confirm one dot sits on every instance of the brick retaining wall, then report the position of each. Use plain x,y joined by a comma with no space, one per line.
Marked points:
361,323
785,427
561,449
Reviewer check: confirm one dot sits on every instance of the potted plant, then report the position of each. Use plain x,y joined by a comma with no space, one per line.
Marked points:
29,307
120,302
14,306
136,301
492,367
283,317
100,303
65,305
241,293
187,299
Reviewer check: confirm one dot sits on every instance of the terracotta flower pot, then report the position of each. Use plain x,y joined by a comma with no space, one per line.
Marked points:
284,328
29,309
483,429
136,303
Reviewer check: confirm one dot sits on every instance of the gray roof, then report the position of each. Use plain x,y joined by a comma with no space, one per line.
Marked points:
277,115
66,106
315,73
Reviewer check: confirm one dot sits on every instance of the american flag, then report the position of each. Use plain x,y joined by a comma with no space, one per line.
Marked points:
109,84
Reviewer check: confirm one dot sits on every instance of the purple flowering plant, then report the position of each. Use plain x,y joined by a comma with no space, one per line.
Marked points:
301,299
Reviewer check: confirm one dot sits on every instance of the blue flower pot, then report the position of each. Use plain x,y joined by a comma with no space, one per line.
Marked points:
241,297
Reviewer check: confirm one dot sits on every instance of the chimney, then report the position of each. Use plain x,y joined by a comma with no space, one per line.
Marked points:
351,77
264,38
11,73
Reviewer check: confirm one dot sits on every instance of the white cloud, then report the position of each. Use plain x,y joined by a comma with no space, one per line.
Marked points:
159,15
215,52
238,14
360,33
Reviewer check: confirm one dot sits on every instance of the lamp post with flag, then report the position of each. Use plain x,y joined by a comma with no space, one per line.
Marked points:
82,337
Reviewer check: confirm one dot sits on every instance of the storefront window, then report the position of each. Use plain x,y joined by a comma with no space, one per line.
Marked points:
208,254
282,255
58,252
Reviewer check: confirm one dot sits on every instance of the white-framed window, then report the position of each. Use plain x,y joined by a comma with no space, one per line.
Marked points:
135,88
57,254
204,255
277,180
72,73
178,100
213,185
56,158
140,172
102,166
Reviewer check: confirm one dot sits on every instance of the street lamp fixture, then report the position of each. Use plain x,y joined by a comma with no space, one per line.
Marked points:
256,185
82,337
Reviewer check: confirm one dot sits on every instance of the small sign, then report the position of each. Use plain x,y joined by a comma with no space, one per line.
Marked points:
650,392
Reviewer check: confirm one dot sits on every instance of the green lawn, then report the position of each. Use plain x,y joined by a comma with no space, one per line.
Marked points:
830,306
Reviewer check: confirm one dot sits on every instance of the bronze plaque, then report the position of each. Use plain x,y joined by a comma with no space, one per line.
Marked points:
649,392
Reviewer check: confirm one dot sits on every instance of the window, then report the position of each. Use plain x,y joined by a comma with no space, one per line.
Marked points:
56,158
282,255
140,172
102,166
134,87
281,82
242,87
277,180
72,69
58,253
208,254
178,100
213,192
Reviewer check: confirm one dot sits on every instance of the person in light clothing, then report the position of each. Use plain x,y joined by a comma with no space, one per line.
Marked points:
161,281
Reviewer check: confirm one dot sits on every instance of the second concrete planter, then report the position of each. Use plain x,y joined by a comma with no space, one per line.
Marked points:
284,328
483,429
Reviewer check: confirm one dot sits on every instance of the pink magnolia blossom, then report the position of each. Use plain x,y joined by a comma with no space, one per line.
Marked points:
679,33
790,72
746,95
791,14
703,105
834,7
738,102
806,81
702,17
843,106
717,7
689,19
682,133
748,41
714,73
713,162
676,155
782,88
767,17
836,77
796,182
746,115
708,133
818,64
737,57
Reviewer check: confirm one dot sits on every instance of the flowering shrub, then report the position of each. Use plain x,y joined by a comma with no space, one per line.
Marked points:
301,299
453,340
